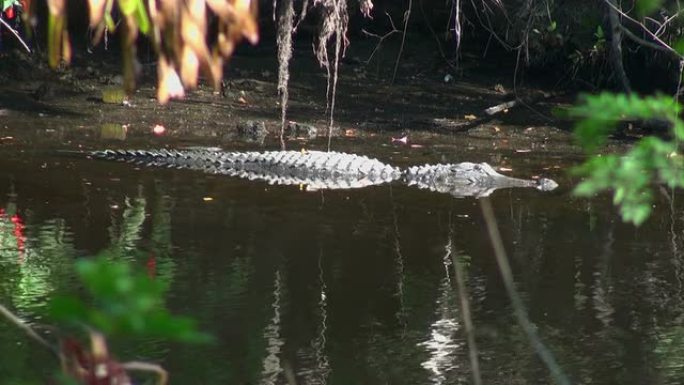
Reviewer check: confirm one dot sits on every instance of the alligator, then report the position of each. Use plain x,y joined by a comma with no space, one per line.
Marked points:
318,170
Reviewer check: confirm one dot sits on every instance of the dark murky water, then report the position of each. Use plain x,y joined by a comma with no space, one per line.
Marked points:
350,287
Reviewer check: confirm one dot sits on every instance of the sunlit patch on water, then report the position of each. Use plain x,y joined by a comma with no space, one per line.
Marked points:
443,345
272,366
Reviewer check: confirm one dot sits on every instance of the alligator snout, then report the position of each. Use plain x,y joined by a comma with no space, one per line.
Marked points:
546,184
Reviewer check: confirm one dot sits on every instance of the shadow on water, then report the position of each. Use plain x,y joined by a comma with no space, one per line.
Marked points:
349,287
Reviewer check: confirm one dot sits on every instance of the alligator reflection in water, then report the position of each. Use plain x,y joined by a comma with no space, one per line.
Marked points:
329,170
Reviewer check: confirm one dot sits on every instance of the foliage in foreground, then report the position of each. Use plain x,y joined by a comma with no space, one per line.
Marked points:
178,30
651,160
124,303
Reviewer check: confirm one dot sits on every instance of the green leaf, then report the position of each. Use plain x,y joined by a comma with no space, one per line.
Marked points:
678,46
5,4
647,7
136,8
67,309
636,214
124,303
599,33
552,26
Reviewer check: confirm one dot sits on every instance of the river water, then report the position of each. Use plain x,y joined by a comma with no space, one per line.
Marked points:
350,287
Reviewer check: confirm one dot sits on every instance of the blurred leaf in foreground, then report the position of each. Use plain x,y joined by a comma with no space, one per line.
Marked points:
631,175
124,303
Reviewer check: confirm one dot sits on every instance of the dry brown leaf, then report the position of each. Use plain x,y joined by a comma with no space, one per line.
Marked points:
170,86
96,10
66,46
56,7
216,69
225,44
189,67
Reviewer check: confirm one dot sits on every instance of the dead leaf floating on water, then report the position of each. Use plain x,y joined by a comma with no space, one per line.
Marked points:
401,140
159,130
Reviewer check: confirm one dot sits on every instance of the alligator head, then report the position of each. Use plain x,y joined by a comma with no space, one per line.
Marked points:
468,179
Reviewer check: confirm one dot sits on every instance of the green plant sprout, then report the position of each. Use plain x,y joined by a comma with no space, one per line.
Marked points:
123,303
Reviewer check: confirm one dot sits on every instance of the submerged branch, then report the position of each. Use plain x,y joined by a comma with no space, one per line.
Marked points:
148,367
465,314
21,324
518,307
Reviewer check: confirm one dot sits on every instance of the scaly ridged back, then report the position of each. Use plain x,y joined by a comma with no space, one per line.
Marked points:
315,169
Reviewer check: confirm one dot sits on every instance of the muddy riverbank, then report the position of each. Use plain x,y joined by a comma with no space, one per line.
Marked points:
424,103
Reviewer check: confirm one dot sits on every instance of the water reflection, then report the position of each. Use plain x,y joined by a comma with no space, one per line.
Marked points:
314,362
442,345
351,287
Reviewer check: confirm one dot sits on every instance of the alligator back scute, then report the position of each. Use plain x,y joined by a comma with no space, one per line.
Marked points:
314,169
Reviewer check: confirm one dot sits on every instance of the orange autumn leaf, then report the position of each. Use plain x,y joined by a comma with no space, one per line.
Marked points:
170,86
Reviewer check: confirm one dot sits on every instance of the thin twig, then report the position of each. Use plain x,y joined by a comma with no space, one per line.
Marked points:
21,324
434,35
381,39
661,26
518,307
16,34
148,367
407,16
488,27
646,43
465,313
643,27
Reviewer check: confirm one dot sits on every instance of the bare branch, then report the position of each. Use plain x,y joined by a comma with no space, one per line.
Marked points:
646,30
148,367
407,16
645,43
381,39
434,34
16,34
21,324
